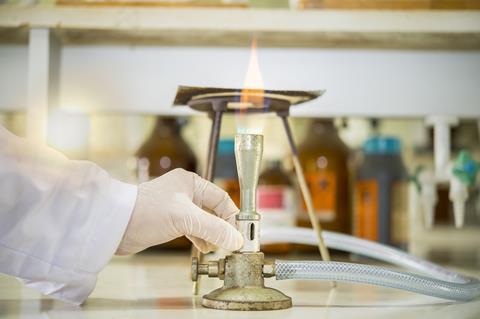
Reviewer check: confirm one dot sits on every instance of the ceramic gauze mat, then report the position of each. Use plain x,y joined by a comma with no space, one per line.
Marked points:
200,98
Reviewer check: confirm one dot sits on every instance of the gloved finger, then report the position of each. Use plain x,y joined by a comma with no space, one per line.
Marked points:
212,229
201,244
210,196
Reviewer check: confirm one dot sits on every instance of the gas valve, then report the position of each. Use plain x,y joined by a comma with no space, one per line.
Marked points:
212,269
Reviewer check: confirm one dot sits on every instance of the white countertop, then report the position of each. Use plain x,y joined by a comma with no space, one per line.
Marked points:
158,286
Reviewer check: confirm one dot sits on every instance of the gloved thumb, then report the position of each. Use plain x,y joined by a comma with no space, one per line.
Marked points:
211,229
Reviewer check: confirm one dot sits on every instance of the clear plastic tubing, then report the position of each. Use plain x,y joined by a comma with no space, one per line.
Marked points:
432,279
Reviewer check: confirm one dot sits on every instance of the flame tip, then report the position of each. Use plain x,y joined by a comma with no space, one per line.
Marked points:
252,96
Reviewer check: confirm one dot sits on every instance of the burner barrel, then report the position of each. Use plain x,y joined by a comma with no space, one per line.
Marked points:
248,155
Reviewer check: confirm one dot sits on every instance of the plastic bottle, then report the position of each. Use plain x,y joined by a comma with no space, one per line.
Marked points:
324,158
164,150
276,202
225,174
381,201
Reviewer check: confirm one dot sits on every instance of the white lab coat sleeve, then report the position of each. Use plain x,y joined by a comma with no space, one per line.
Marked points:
61,221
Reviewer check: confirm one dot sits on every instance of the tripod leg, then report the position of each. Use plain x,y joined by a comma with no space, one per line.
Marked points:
307,197
208,175
213,145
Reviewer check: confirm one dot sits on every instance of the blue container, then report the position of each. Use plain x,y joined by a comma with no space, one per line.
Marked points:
380,178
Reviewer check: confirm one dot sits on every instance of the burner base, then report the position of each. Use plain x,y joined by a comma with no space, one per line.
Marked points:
247,298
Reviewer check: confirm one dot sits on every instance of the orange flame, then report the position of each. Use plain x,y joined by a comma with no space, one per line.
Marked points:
252,92
252,97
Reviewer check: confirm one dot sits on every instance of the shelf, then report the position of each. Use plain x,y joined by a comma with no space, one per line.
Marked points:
234,27
210,47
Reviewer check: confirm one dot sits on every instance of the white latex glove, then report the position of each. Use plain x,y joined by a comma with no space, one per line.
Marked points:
170,206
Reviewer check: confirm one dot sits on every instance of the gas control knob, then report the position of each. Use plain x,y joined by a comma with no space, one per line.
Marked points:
194,269
198,269
212,269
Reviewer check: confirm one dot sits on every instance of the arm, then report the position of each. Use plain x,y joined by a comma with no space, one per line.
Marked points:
60,220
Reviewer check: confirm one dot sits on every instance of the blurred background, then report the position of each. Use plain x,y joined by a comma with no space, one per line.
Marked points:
390,152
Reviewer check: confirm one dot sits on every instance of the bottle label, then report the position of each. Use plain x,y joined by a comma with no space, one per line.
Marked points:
399,219
270,197
323,187
276,205
367,211
366,203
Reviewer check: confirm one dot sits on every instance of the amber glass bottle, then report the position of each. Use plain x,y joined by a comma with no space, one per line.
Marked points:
324,158
164,150
276,202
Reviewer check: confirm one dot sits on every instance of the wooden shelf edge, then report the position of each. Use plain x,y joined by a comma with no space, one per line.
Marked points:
235,27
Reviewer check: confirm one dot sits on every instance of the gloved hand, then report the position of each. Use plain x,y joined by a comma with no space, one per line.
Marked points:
170,206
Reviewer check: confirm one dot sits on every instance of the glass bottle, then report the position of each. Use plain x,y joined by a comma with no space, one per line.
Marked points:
163,151
276,202
324,159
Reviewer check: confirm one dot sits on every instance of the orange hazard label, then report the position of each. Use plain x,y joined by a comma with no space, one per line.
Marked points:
323,186
366,209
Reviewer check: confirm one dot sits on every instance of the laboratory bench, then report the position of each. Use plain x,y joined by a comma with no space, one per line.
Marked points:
159,286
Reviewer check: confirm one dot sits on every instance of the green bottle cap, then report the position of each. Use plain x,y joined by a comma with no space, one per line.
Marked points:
465,167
